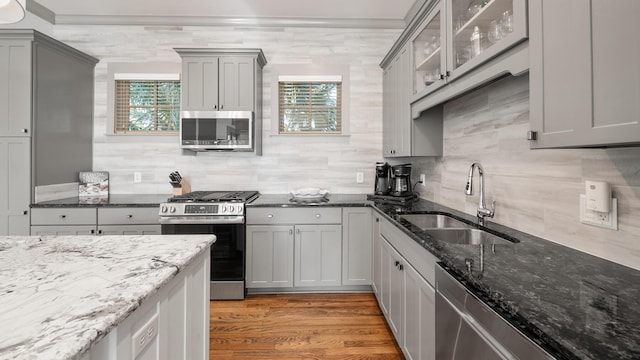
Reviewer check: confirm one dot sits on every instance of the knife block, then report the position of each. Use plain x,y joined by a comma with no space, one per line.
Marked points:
183,189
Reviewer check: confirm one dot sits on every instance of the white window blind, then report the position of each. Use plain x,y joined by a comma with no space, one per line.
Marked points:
310,104
146,106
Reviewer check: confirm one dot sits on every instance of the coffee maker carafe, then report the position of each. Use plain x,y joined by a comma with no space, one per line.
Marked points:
401,180
383,179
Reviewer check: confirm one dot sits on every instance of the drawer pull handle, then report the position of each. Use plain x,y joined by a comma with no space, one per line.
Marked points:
318,216
129,216
63,216
93,231
270,216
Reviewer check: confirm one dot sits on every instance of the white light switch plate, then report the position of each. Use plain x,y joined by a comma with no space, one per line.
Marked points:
596,218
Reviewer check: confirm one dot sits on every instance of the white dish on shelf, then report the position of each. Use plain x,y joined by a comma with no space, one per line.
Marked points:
309,193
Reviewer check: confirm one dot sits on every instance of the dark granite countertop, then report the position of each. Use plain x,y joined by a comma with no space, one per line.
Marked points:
331,200
114,200
574,305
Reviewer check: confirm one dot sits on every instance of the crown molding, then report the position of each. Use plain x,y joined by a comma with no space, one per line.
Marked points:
228,21
40,11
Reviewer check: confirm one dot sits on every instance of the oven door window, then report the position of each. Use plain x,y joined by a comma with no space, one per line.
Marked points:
227,253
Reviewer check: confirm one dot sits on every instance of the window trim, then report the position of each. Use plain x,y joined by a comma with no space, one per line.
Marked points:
125,71
316,71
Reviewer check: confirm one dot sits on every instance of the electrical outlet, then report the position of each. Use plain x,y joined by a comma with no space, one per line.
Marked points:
423,180
359,177
143,337
137,177
596,218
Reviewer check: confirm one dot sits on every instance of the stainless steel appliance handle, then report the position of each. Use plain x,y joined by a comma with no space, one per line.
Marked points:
178,220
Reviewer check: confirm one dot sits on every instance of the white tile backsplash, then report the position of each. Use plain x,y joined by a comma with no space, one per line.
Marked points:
537,191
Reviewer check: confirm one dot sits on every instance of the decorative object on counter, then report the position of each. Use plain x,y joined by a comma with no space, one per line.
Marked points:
180,185
309,193
93,187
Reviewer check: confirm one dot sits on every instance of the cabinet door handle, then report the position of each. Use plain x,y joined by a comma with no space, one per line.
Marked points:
377,219
93,231
215,107
532,135
401,267
270,216
290,232
221,106
24,131
130,216
298,231
100,232
441,76
397,263
25,212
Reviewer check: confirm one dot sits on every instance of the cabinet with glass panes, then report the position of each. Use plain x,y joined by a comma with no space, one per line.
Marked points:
459,35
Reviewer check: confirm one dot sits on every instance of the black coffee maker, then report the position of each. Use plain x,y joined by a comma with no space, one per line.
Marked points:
401,180
383,179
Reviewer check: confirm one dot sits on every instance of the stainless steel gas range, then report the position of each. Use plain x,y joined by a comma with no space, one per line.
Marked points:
221,213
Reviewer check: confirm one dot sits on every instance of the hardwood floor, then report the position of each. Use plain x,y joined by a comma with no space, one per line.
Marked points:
301,326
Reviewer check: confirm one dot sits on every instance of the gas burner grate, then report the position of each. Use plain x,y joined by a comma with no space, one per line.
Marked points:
216,196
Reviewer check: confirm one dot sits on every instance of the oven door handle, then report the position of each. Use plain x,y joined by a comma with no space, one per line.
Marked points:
214,220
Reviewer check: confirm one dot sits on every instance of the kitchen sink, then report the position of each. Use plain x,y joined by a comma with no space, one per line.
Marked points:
434,221
467,237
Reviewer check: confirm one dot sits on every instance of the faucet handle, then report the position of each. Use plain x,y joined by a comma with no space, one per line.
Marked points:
484,212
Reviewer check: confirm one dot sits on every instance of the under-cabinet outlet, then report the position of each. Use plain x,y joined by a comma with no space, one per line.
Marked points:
423,180
143,337
137,177
359,177
596,218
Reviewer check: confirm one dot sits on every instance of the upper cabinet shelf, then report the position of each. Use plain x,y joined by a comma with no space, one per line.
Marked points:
454,37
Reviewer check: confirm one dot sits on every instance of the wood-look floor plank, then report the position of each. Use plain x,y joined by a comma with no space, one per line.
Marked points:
301,326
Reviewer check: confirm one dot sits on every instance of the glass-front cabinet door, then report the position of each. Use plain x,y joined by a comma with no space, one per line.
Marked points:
481,29
429,56
457,36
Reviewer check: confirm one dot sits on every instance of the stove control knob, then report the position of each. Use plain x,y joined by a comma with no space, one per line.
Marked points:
164,209
224,209
172,209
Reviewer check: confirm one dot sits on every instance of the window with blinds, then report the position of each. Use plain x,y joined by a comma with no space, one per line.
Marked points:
147,106
310,106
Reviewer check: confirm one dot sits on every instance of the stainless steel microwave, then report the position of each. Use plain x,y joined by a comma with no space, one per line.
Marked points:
217,130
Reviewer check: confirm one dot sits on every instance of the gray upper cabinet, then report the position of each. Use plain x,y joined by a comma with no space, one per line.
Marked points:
584,86
15,88
402,136
46,114
221,79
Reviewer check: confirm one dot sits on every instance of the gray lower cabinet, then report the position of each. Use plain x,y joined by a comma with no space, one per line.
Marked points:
15,187
403,274
95,221
357,241
63,221
584,86
269,256
128,221
309,248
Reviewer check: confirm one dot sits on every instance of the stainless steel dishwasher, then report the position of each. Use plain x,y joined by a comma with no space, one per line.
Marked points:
466,328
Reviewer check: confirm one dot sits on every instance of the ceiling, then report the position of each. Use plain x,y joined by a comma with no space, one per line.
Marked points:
190,12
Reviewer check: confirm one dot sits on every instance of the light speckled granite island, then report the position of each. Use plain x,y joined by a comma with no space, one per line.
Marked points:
104,297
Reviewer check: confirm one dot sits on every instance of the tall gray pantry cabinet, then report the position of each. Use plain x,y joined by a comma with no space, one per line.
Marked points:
46,120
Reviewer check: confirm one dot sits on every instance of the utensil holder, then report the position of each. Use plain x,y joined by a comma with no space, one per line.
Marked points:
183,189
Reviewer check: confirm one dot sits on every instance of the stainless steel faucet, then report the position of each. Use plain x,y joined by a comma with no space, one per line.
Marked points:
483,212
